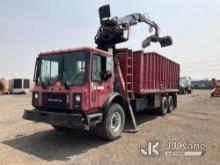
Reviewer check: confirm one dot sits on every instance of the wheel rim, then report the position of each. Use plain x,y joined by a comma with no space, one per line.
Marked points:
115,122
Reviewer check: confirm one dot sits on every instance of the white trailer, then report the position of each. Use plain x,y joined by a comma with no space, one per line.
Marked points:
19,85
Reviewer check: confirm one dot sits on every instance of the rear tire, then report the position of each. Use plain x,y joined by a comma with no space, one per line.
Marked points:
170,104
164,106
113,123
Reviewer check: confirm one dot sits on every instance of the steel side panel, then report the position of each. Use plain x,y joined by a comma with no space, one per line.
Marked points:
153,71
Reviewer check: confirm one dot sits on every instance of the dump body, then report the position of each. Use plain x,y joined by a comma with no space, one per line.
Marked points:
151,72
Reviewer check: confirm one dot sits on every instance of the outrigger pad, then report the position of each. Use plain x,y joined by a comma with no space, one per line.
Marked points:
166,41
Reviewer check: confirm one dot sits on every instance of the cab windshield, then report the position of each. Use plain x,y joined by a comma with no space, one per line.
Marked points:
182,82
70,68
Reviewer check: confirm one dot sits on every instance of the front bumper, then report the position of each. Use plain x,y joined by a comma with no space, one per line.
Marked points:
63,119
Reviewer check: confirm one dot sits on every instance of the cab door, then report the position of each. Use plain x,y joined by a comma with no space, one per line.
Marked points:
101,86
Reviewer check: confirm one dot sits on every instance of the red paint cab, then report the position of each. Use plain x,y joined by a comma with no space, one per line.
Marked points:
72,80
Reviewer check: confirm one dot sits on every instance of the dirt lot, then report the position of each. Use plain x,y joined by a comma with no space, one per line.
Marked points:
196,120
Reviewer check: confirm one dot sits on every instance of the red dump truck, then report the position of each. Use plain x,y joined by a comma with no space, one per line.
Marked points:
86,87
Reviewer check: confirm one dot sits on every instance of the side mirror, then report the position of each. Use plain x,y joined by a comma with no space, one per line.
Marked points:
104,13
107,76
36,69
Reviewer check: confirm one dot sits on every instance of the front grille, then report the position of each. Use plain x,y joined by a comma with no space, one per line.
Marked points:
54,100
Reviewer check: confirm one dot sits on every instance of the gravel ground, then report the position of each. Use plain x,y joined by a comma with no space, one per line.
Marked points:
196,120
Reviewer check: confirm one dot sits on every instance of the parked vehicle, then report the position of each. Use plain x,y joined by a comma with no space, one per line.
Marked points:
87,87
185,85
202,84
19,85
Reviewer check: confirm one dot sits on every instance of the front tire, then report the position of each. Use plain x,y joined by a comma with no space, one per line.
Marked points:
113,123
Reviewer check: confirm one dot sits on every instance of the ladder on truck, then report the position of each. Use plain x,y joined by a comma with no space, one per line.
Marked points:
127,86
129,76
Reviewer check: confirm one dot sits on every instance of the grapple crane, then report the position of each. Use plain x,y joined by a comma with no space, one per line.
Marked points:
86,87
116,30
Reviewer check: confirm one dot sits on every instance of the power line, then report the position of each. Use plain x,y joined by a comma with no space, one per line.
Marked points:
200,62
204,62
196,61
210,70
201,66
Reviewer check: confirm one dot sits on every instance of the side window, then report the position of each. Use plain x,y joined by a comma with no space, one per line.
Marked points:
109,64
96,68
99,66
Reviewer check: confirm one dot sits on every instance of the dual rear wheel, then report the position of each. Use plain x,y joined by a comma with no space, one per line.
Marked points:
167,105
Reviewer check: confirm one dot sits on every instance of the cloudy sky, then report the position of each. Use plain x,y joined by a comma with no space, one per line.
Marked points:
28,27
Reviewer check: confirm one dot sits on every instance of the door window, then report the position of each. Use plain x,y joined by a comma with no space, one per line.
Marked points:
98,67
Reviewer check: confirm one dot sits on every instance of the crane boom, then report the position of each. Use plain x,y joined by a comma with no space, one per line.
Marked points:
134,18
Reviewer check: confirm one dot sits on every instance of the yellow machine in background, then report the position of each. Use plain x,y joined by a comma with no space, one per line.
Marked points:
216,90
4,86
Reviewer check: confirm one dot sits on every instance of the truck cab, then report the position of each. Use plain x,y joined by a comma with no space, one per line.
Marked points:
73,87
185,85
73,80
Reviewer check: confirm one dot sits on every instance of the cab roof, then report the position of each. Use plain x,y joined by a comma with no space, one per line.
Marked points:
89,49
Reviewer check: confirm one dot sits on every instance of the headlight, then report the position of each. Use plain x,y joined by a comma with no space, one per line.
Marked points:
35,99
36,96
77,101
77,98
